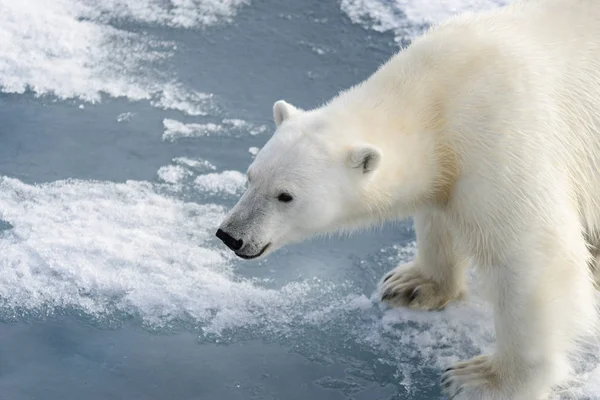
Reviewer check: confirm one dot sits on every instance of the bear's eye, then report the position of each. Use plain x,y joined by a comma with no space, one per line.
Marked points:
284,197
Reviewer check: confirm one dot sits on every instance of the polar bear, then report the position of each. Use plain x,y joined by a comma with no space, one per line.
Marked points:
486,130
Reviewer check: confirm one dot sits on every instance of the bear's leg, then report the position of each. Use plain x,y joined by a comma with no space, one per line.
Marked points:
436,276
543,299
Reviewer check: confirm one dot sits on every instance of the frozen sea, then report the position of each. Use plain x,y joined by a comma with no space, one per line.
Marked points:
125,129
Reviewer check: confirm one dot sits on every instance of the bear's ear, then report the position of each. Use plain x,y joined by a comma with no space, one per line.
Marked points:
365,158
282,110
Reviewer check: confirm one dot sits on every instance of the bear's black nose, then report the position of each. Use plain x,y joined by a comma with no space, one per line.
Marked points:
229,240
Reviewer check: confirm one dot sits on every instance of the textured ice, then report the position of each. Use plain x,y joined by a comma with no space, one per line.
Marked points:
195,164
195,175
408,18
253,151
100,246
175,13
125,117
66,48
175,129
228,127
107,249
226,182
172,173
103,247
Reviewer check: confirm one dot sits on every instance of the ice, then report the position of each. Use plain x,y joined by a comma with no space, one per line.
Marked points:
172,173
227,182
196,175
195,164
125,117
103,247
175,130
253,151
66,48
177,13
174,96
408,18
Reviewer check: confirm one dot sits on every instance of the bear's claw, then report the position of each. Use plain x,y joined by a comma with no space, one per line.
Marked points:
388,277
476,374
408,287
388,295
413,296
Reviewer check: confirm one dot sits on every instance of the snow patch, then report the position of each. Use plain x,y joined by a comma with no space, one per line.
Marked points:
409,18
175,130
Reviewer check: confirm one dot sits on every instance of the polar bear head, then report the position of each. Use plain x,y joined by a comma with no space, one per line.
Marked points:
305,181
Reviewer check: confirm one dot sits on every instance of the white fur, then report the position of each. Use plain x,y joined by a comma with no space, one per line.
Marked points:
487,131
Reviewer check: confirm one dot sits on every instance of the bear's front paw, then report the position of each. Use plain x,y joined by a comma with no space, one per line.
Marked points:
407,286
484,377
475,375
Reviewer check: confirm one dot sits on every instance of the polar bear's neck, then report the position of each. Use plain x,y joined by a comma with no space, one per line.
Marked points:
400,109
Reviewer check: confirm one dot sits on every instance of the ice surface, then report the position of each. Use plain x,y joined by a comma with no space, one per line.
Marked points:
176,13
125,117
102,248
228,127
226,182
198,165
172,173
175,129
67,49
408,18
106,247
253,151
